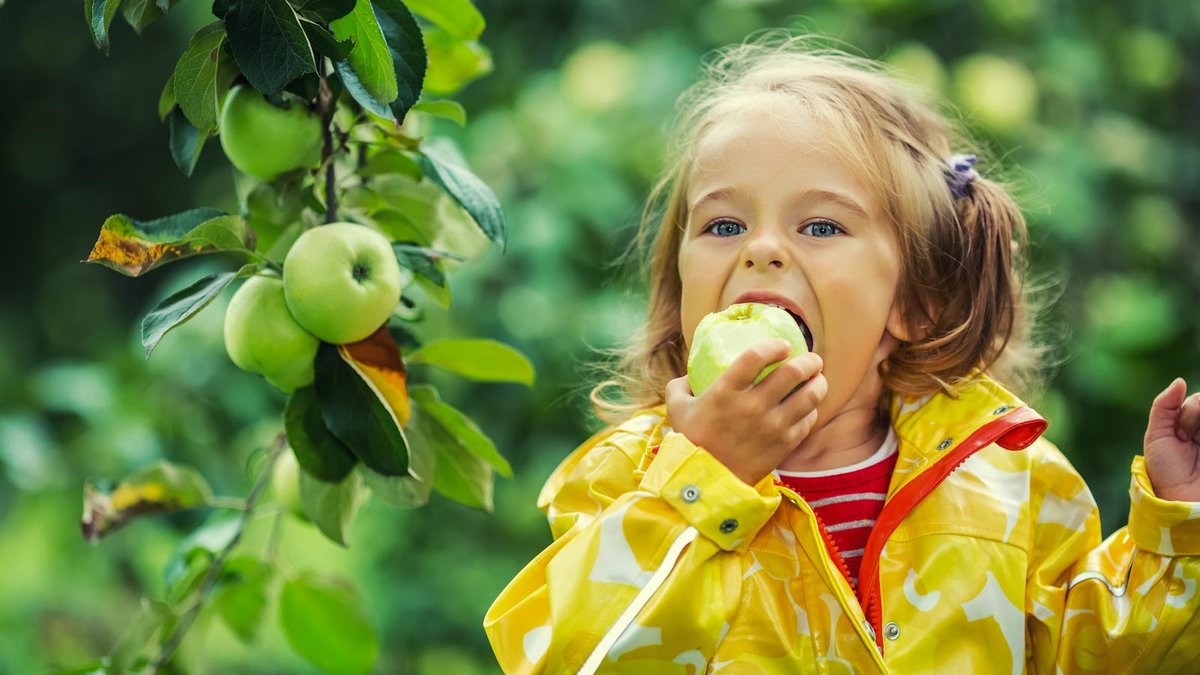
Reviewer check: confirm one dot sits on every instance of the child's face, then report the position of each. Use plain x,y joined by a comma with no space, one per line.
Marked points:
773,211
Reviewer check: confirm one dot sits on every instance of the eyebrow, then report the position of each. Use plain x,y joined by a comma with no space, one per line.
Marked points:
814,194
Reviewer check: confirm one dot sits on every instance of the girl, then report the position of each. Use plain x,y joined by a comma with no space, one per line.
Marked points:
899,512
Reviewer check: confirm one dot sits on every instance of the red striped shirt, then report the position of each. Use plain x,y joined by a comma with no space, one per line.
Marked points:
848,499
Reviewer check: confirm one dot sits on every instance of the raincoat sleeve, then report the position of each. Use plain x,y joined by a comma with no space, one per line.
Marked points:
1125,605
640,576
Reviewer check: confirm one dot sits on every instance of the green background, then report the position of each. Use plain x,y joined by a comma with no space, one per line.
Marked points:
1092,107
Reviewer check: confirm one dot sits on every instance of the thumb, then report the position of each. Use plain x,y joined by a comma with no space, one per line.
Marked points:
1164,411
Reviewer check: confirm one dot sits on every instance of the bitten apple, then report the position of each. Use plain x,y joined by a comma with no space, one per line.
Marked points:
265,141
262,337
341,281
722,336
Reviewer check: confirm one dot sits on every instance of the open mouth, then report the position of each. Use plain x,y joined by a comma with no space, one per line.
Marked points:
808,337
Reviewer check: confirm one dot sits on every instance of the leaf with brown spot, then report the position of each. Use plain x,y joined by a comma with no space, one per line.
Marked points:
377,357
134,247
160,488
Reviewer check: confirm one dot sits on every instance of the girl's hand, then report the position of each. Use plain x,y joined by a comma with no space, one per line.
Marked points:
751,428
1172,446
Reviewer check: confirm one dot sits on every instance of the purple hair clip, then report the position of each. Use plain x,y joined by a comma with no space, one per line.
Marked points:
960,172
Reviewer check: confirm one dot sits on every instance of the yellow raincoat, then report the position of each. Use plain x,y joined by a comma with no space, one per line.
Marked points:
986,558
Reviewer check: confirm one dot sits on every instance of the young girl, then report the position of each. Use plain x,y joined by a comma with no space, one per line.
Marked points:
899,512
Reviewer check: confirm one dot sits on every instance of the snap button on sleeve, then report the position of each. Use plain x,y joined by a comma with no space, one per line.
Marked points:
690,494
729,525
891,631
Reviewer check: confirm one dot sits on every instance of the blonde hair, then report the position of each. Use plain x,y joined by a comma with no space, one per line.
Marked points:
962,290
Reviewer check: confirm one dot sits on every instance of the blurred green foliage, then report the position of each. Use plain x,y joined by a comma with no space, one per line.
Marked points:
1092,108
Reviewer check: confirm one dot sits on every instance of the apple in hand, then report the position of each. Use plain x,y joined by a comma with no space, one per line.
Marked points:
262,337
265,141
341,281
722,336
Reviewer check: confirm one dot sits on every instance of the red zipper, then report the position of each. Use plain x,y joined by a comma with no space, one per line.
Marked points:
1014,431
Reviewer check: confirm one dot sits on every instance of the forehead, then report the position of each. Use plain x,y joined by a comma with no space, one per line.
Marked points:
767,138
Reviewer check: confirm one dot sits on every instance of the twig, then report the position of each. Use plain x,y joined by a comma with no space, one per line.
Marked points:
214,573
326,106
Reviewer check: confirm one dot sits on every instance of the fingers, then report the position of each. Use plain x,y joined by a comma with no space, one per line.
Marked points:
789,375
1188,425
746,367
1165,410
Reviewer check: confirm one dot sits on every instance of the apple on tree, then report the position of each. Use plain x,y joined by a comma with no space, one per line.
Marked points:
341,281
285,484
265,141
722,336
262,337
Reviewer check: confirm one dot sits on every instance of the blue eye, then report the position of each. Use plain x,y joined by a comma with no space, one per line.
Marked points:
726,228
822,229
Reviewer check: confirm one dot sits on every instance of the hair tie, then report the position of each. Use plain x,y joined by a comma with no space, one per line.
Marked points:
960,172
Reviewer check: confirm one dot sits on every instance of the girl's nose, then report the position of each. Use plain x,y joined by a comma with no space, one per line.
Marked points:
763,252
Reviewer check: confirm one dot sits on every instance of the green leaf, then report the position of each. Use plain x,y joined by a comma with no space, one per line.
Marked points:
160,488
358,91
459,18
184,304
370,61
268,43
186,141
424,261
460,473
195,76
358,417
391,161
324,42
412,490
407,51
223,233
195,554
460,427
326,624
483,360
99,15
241,597
318,451
166,100
327,10
332,506
451,110
470,192
141,13
134,247
453,63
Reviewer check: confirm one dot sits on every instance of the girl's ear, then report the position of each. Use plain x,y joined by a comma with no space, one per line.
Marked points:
898,325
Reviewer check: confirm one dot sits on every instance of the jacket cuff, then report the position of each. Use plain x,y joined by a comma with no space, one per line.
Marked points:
707,494
1164,527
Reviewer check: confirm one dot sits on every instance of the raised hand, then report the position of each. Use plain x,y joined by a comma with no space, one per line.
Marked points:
749,427
1172,445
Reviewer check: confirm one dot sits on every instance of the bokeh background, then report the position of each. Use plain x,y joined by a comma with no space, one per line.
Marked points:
1091,106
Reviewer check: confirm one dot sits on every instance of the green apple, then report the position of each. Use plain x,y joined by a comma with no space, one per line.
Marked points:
341,281
722,336
262,337
285,483
265,141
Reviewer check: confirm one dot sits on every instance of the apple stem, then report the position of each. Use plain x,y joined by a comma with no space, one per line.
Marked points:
326,105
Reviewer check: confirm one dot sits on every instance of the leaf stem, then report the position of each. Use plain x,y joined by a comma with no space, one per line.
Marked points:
172,642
